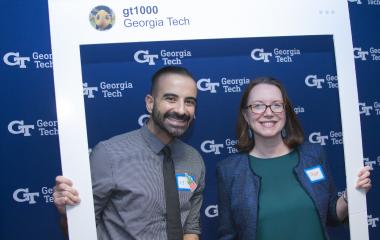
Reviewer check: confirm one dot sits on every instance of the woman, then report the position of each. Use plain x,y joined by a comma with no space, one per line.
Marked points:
278,187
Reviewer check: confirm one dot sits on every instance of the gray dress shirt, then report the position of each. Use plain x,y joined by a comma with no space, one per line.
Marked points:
128,186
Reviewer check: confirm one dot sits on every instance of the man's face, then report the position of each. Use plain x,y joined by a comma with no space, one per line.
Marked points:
173,105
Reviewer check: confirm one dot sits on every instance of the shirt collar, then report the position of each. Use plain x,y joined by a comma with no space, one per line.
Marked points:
152,141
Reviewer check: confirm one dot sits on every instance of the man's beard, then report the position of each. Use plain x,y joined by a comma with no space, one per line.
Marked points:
174,131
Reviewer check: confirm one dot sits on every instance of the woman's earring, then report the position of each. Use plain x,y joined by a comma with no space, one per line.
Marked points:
284,134
250,134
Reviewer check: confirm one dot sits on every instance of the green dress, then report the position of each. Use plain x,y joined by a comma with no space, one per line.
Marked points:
285,209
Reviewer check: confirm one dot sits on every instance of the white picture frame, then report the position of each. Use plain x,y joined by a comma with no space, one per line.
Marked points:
70,27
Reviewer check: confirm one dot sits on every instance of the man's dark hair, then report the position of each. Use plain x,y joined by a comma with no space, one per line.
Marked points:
168,70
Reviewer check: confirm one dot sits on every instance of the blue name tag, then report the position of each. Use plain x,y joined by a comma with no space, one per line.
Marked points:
185,182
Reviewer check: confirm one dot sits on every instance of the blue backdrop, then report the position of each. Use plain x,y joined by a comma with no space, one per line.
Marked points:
116,79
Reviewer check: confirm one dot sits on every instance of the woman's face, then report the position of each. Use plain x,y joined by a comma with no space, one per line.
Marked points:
268,124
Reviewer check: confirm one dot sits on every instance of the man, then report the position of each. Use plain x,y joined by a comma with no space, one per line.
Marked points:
127,170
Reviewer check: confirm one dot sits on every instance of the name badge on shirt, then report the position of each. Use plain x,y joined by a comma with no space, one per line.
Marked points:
315,174
185,182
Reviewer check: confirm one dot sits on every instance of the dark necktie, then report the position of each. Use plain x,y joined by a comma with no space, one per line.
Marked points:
173,215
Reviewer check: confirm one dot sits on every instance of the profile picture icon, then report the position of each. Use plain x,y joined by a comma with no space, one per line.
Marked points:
102,18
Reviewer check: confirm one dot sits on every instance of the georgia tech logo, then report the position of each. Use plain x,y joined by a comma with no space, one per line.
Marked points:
372,221
357,1
205,84
258,54
316,137
14,59
23,195
363,109
313,81
360,54
142,119
143,56
371,164
89,91
18,127
211,211
209,146
329,80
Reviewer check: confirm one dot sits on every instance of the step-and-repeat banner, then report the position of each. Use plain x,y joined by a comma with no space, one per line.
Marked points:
116,78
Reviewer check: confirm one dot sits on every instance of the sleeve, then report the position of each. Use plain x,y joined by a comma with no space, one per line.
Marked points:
102,178
226,229
332,217
192,224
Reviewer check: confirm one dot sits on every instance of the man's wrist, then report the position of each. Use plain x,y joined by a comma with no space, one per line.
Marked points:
344,196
